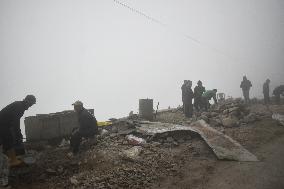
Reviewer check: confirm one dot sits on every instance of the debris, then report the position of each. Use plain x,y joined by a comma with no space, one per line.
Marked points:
104,132
50,171
230,121
279,118
223,146
64,143
204,117
156,144
132,153
170,139
252,117
74,181
4,170
29,160
135,140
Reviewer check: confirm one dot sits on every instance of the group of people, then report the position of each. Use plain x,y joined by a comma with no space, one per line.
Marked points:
277,92
11,137
200,96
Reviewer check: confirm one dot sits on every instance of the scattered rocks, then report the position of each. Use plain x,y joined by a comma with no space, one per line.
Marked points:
170,139
74,181
135,140
230,121
132,153
205,118
252,117
51,171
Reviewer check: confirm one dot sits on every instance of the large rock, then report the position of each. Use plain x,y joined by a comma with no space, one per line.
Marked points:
233,109
205,118
230,121
214,114
132,153
252,117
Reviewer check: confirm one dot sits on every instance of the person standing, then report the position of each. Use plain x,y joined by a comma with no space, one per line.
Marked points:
198,91
88,126
183,94
187,96
10,132
266,92
246,85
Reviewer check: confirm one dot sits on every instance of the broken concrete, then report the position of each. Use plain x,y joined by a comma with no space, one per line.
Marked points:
279,118
224,147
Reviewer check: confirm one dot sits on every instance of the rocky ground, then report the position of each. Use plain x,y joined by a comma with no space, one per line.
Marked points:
170,160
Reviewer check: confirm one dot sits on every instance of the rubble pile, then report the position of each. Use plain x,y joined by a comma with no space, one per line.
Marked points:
114,162
173,138
124,157
232,113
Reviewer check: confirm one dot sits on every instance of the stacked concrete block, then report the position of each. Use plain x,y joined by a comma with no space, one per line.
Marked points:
51,126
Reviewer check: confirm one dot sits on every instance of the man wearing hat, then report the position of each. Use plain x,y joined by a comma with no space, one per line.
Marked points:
198,91
187,96
246,85
88,126
10,132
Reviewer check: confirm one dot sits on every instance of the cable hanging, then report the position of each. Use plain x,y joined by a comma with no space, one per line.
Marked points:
170,28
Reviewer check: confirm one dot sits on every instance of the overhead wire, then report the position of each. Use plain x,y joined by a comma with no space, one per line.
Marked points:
189,37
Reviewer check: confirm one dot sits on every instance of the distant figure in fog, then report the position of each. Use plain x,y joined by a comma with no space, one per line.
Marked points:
266,92
198,91
246,85
187,96
277,92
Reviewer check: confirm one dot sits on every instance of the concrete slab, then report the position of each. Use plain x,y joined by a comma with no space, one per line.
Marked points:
224,147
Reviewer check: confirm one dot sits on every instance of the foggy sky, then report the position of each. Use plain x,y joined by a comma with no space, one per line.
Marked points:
105,55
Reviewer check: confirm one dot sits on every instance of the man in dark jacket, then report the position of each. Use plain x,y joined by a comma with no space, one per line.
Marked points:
88,126
198,91
10,132
187,96
266,92
246,85
277,92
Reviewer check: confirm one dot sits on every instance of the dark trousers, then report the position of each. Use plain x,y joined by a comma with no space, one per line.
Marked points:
266,98
277,99
205,103
76,139
197,103
6,139
188,109
246,96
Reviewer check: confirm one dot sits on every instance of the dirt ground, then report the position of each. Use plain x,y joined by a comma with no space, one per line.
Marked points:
185,164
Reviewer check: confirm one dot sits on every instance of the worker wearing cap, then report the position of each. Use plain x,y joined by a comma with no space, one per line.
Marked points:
198,91
88,126
246,85
10,132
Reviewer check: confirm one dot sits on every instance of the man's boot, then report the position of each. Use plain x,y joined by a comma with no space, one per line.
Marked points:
13,160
